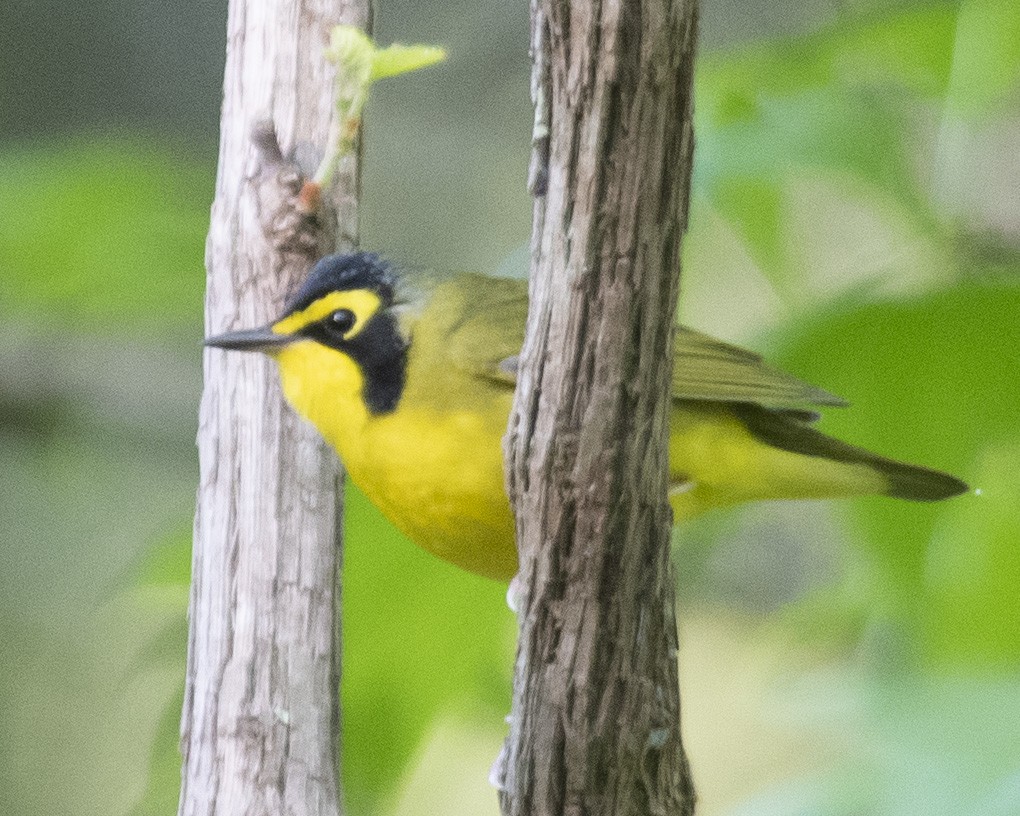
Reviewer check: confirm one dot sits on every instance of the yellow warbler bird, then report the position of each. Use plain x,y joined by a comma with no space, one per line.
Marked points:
410,378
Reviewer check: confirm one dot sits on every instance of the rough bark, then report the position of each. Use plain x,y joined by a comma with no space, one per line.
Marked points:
259,731
595,727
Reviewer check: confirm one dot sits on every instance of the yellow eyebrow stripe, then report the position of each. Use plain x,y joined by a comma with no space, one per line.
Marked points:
362,302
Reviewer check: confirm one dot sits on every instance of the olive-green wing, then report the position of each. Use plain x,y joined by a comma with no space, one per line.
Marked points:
486,338
711,370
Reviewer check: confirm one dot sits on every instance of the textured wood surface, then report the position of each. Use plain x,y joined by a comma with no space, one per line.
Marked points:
259,731
595,726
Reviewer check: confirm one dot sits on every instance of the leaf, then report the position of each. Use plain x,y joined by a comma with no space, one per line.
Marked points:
167,563
357,54
744,164
842,101
399,59
111,230
973,569
910,48
352,51
986,57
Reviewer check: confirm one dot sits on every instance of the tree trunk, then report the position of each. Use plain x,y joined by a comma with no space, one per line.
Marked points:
595,727
260,726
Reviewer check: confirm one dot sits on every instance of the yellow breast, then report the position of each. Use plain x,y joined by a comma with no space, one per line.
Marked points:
433,467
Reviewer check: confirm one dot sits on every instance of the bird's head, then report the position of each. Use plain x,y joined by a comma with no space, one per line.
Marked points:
338,338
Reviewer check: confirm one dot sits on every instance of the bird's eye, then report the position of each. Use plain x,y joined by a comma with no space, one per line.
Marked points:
340,322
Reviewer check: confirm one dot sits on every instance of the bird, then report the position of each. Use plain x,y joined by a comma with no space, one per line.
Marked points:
409,376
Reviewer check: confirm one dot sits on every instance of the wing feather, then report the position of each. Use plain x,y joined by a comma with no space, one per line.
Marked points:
485,339
713,371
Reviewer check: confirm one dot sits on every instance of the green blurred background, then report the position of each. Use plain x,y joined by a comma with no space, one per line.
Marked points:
856,215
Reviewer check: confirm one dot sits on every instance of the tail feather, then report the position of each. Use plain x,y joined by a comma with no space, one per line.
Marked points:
905,481
917,483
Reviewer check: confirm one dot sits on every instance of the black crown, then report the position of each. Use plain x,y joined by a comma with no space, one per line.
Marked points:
344,272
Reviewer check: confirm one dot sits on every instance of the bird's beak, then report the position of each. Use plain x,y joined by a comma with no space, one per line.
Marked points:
264,340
